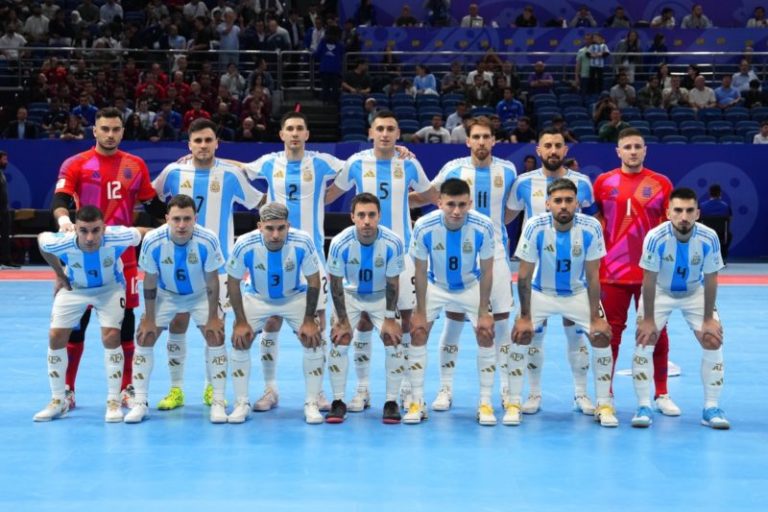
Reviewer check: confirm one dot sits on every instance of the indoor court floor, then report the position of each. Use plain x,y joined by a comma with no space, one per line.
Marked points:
557,460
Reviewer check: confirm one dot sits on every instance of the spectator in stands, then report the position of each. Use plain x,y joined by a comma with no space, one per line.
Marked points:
247,131
622,93
628,63
665,79
201,40
509,73
602,108
529,163
743,77
161,131
255,35
433,134
523,133
658,47
455,118
609,132
266,9
581,72
664,20
109,11
371,108
726,95
651,94
121,105
55,119
73,130
540,81
758,18
88,12
754,96
697,18
701,96
261,72
315,34
223,117
480,69
438,12
172,117
145,115
350,37
196,112
49,9
85,111
22,127
572,164
365,16
330,53
498,130
478,94
558,123
497,91
36,26
195,9
406,19
10,44
357,81
454,80
424,81
715,207
674,95
134,128
762,136
229,40
295,30
473,18
156,9
459,134
618,19
233,81
509,109
258,113
598,53
60,31
526,19
277,37
583,18
689,80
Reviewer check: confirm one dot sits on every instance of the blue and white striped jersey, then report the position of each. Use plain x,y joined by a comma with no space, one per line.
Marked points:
365,268
681,265
390,181
181,268
215,191
560,256
274,274
529,192
92,269
300,185
453,255
489,187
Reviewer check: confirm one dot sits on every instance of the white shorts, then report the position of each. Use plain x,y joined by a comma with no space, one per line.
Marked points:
258,310
375,304
465,301
691,306
170,304
502,300
406,299
108,302
574,308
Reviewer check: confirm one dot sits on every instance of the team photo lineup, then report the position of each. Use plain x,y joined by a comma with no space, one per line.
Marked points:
587,252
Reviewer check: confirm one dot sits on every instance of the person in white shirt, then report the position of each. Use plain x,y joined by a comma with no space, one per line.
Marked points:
762,136
697,19
109,11
758,18
701,96
36,26
473,19
454,119
745,75
433,134
664,20
10,43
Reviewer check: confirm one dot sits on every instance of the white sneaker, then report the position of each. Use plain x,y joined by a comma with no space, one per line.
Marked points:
512,415
267,401
666,406
218,411
56,408
485,415
322,403
137,413
443,400
360,402
114,412
128,397
417,413
312,413
240,412
606,415
583,404
532,405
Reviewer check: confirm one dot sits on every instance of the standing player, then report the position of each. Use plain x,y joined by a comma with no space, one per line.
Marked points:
365,262
453,252
91,275
276,257
215,187
112,180
529,193
379,172
680,262
631,201
183,259
560,254
490,181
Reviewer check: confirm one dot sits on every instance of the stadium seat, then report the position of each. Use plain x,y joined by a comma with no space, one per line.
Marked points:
744,127
403,100
409,126
382,100
352,112
691,124
352,100
703,139
639,123
693,131
570,100
404,112
544,99
652,114
664,130
581,131
574,117
719,128
589,139
750,136
675,139
354,137
736,114
482,111
652,139
731,139
630,114
759,114
451,97
423,100
710,114
682,114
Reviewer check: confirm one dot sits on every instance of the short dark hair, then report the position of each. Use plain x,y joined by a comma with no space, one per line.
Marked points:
561,184
551,130
454,187
384,114
181,201
683,193
109,113
365,198
201,124
630,132
715,190
89,213
293,115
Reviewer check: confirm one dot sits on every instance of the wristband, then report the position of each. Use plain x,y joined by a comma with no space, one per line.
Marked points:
64,221
389,314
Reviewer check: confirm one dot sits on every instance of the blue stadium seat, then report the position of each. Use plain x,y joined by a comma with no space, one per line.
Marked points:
451,97
703,139
382,100
682,114
427,99
352,126
691,124
409,126
675,139
404,112
589,139
574,117
719,128
639,123
652,114
750,136
352,112
731,139
651,139
430,110
580,131
664,130
38,105
736,114
693,131
352,100
744,127
403,100
710,114
630,114
570,100
354,137
759,114
544,99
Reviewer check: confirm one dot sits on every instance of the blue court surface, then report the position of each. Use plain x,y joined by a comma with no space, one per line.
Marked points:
556,460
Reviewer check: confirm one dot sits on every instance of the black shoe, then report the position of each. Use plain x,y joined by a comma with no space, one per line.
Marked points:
391,414
10,265
338,412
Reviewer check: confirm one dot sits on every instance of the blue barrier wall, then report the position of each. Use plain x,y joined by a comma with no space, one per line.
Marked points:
34,167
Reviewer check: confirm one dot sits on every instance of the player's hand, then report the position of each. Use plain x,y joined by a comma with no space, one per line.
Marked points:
147,333
484,329
391,332
341,332
418,323
522,332
403,153
309,333
242,336
646,333
600,328
214,330
62,282
66,225
711,334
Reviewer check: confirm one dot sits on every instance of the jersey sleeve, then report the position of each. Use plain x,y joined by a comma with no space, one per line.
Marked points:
596,249
146,262
310,264
121,236
335,260
586,197
441,176
236,264
526,247
396,264
420,183
54,243
253,169
650,259
160,183
249,197
713,261
488,248
69,176
215,258
418,250
596,191
331,161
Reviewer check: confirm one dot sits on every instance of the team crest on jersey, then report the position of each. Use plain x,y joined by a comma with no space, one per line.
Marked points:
696,259
498,182
279,174
538,193
397,173
306,176
289,265
186,184
647,192
379,262
192,258
215,186
577,250
108,262
467,246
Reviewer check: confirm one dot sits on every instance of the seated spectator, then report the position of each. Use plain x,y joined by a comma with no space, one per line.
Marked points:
36,26
758,18
658,47
454,119
233,81
438,12
622,93
540,81
697,18
85,111
195,112
10,43
689,80
482,70
497,91
247,131
558,123
223,117
161,130
366,14
455,80
715,208
144,113
701,96
424,81
650,95
73,130
727,96
526,19
664,20
628,63
459,133
357,81
22,127
523,133
674,95
618,19
478,94
509,109
49,9
743,77
499,132
172,117
754,97
572,164
762,136
433,134
665,79
609,132
529,163
583,18
256,112
134,128
55,119
473,18
406,19
509,73
371,109
261,72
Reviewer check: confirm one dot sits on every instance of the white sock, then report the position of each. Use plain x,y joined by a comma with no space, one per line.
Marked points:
338,364
405,345
269,350
449,350
602,364
712,376
314,359
395,369
143,362
578,358
536,361
516,372
113,363
362,342
206,355
417,359
240,361
216,363
177,356
502,344
57,369
642,374
486,370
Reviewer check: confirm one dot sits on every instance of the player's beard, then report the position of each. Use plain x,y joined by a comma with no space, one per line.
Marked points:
550,166
683,230
561,218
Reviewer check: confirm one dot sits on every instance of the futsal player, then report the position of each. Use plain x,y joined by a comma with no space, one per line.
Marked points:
680,262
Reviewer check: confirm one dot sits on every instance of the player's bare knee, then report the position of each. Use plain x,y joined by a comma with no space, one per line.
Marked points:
273,324
110,337
388,341
57,338
180,323
484,341
364,324
708,342
600,341
405,320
